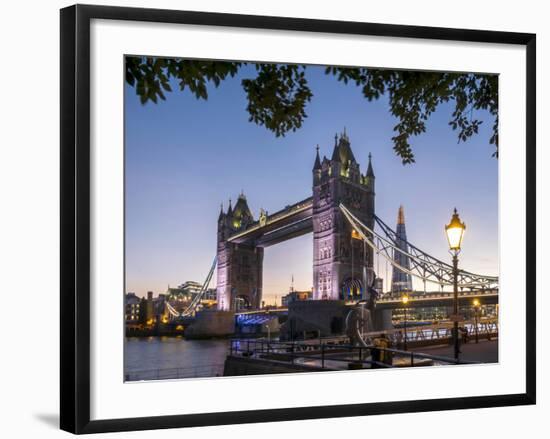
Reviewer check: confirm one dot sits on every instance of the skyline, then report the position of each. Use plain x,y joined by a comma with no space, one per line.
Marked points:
184,157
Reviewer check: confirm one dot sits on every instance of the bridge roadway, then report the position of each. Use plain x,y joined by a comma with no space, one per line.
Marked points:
416,300
437,298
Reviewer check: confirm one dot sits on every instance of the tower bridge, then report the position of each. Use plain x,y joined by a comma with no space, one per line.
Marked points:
341,215
340,264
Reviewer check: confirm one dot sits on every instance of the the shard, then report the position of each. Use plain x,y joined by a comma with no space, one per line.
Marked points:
401,280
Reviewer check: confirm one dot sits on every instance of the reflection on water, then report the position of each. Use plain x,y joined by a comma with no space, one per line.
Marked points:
151,358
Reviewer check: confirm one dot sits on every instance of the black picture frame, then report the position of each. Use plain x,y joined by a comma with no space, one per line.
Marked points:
75,217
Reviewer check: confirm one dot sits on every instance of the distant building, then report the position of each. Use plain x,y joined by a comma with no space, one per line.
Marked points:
296,295
182,296
191,287
184,292
149,310
131,308
149,306
401,280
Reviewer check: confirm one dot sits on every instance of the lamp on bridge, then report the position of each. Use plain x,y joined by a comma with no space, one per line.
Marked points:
455,232
405,300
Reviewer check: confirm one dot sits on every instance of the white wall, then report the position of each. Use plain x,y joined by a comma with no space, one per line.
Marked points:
29,89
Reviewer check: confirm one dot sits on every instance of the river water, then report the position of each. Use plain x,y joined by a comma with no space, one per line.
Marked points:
153,358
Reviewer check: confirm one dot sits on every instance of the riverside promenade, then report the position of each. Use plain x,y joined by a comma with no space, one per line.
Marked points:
483,352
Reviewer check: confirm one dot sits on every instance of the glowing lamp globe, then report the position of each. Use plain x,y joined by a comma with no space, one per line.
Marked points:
455,232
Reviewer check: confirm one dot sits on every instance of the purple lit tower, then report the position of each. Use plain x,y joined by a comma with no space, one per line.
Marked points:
342,266
401,281
240,266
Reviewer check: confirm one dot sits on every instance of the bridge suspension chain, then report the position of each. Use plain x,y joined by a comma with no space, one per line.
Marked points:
422,265
442,268
173,312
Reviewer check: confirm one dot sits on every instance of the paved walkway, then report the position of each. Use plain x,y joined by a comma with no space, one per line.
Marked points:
484,351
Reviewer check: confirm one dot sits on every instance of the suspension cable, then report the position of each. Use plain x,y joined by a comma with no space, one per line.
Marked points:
191,308
437,269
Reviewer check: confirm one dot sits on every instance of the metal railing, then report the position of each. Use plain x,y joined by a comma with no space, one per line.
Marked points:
329,356
487,328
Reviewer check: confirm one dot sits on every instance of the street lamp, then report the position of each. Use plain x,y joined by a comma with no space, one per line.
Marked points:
405,300
455,232
476,309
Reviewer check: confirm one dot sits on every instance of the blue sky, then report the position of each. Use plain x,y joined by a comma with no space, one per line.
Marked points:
185,156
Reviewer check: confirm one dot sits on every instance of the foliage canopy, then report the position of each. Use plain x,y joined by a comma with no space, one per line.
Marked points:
278,95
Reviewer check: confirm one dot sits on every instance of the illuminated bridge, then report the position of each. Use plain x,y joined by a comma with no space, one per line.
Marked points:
347,239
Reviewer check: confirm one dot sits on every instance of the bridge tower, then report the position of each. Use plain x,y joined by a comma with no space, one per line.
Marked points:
342,265
400,280
239,282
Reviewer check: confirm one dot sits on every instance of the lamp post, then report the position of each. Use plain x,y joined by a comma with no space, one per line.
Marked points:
405,300
476,310
455,232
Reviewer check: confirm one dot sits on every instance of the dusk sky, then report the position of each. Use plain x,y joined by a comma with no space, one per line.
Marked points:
186,156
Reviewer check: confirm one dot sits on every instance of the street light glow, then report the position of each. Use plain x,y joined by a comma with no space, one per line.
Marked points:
455,232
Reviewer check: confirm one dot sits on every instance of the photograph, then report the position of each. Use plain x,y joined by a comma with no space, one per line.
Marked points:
271,220
289,218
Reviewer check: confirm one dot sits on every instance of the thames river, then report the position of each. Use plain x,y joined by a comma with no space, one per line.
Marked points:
153,358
